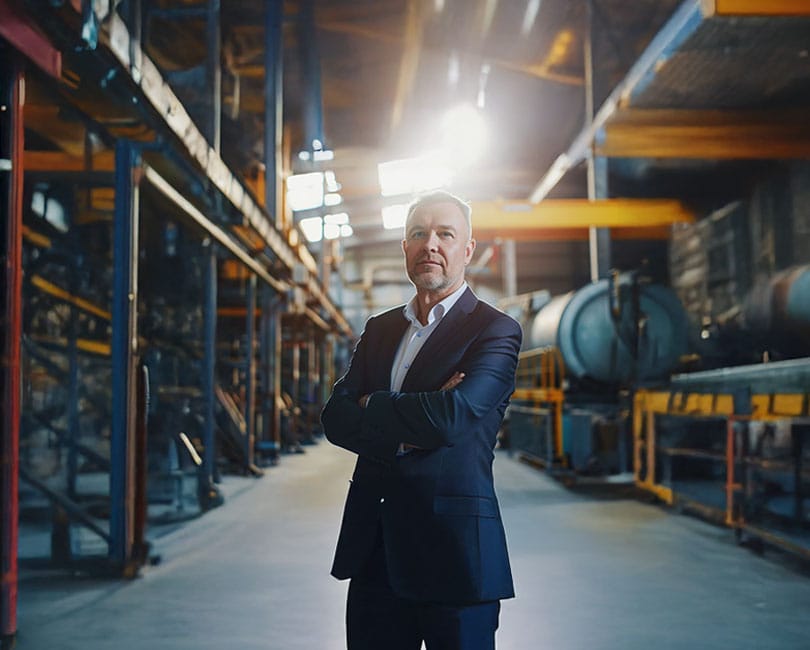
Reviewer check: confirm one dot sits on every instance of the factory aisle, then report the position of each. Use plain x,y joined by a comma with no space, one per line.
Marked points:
590,573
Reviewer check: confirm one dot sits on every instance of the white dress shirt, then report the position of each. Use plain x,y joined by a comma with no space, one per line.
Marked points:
417,334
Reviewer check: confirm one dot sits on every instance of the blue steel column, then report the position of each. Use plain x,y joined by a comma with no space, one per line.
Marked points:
250,373
124,348
599,238
209,361
12,82
273,105
271,308
313,111
213,126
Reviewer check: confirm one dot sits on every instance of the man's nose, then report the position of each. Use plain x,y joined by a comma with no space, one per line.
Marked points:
432,241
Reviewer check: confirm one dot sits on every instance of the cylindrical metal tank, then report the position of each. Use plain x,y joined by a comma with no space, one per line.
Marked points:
780,307
615,330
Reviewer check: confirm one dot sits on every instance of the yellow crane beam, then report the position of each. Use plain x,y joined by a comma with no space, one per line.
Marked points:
707,134
527,220
756,8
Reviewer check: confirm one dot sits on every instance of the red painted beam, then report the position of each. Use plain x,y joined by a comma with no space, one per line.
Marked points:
23,34
11,193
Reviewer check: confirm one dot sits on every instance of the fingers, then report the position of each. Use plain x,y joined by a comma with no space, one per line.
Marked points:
454,381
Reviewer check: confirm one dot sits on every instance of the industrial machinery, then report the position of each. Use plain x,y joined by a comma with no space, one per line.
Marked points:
584,352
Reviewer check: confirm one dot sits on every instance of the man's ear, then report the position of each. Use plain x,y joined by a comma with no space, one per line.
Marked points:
468,251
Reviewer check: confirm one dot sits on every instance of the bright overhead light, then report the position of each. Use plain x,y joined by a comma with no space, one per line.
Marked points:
305,191
323,154
532,7
331,226
312,228
332,199
339,218
394,216
331,231
464,134
331,182
413,175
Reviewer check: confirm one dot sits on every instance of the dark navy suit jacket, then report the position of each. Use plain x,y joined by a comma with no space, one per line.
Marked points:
436,506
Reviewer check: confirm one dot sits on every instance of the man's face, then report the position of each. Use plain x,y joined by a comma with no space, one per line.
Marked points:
437,247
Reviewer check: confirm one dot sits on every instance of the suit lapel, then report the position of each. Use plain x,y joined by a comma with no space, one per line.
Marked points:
441,338
389,344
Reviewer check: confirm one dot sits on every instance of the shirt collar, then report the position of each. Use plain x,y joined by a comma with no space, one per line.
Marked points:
438,310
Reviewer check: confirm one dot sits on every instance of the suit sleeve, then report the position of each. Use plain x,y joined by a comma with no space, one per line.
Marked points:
342,417
439,418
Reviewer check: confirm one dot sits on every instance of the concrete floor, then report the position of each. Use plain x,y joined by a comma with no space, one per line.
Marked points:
590,573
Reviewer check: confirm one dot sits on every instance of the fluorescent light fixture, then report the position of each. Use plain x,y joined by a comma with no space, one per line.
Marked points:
394,216
413,175
346,230
532,7
320,155
331,182
332,199
312,228
339,218
331,230
305,191
303,155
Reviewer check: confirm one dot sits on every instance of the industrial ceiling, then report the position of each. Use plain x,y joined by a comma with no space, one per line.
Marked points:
676,89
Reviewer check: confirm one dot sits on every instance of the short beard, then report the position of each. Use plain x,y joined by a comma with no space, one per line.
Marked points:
431,283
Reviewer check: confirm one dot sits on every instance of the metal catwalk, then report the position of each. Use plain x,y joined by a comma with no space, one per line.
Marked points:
590,572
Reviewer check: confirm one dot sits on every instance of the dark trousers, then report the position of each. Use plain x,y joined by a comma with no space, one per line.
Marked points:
378,619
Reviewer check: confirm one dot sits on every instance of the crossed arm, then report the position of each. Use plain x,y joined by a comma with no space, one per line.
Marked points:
425,419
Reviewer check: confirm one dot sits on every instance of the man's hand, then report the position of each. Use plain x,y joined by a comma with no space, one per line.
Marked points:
450,384
454,381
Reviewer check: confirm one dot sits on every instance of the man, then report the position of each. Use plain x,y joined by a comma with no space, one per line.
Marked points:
421,404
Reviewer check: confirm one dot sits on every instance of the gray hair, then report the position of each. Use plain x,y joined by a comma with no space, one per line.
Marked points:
440,196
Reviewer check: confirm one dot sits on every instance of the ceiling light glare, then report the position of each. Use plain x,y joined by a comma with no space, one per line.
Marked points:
331,231
464,135
331,182
312,228
305,191
323,155
339,218
532,7
332,199
394,216
413,175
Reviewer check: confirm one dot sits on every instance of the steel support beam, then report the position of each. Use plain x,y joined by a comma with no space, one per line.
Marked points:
598,238
250,373
213,73
756,8
578,213
209,362
683,23
311,70
273,107
124,353
708,134
12,84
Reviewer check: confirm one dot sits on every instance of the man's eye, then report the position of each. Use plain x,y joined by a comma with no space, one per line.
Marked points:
417,234
446,234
